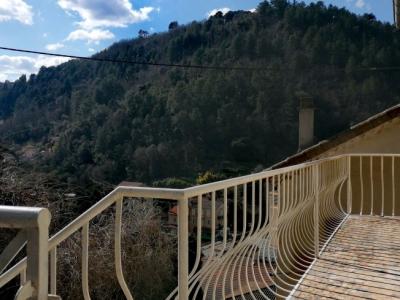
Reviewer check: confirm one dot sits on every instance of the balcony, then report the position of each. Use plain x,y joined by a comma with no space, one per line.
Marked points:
325,228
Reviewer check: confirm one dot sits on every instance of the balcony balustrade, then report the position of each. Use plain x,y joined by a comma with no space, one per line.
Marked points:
271,229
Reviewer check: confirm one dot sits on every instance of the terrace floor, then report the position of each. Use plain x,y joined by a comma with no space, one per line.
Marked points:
362,261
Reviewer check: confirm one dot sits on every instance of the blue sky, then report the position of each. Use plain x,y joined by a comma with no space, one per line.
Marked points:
83,27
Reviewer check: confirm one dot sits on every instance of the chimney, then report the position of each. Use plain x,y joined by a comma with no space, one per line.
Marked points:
306,122
396,11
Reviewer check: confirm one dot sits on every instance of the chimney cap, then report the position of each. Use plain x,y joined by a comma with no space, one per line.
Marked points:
306,102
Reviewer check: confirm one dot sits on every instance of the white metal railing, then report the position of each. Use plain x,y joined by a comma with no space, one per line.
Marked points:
272,226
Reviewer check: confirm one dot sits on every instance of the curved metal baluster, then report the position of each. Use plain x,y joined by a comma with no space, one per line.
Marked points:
393,189
117,249
372,184
198,238
85,261
382,188
361,186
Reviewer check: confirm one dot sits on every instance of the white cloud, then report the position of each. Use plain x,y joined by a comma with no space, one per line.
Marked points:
12,67
253,10
91,36
91,50
54,47
105,13
224,10
46,61
3,77
17,10
360,3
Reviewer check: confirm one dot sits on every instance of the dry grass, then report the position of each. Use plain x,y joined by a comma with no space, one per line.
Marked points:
147,256
147,251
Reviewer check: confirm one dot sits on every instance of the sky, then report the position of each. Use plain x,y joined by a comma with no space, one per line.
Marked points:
84,27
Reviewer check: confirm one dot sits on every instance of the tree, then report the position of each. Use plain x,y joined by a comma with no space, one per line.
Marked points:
117,120
173,25
143,33
369,17
219,14
209,177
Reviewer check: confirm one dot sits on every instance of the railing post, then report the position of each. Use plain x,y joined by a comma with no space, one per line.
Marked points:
53,271
183,249
36,222
37,256
117,250
349,197
316,211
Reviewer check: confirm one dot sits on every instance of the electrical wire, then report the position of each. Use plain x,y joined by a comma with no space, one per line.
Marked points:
185,66
154,64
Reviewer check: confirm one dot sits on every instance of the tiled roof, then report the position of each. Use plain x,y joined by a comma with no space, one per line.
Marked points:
173,210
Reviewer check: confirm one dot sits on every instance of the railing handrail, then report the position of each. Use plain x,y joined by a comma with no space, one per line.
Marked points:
22,217
194,190
166,194
106,202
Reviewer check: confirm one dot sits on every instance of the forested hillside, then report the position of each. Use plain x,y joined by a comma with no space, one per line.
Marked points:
97,121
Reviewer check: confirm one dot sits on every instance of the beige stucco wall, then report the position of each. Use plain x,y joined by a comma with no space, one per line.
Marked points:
383,139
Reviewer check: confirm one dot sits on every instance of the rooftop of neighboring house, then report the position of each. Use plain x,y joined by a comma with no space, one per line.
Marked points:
173,210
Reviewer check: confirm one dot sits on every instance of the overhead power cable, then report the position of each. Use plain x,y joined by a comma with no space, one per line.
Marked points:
184,66
132,62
